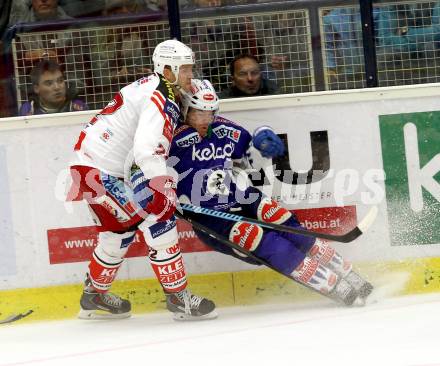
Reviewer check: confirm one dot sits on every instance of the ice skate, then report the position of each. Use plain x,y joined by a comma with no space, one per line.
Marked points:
362,286
187,306
95,305
344,293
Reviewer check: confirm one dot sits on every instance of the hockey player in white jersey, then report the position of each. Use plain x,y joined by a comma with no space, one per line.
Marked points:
134,133
204,150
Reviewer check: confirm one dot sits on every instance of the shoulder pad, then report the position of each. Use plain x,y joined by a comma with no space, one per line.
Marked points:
223,128
220,119
181,129
186,136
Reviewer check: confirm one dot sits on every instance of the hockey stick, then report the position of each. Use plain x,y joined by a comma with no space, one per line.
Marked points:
345,238
14,317
236,247
232,245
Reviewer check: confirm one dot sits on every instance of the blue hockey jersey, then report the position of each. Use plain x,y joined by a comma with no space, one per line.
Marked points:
205,164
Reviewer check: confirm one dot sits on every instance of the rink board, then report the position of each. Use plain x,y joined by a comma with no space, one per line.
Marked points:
226,289
355,138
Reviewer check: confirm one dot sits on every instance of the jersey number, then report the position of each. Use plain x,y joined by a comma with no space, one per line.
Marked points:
114,105
110,108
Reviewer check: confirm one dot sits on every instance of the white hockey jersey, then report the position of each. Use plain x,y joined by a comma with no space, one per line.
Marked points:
135,127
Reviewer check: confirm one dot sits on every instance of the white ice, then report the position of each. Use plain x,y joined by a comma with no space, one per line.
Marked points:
403,331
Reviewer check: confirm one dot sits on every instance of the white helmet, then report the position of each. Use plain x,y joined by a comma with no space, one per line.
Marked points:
202,97
172,53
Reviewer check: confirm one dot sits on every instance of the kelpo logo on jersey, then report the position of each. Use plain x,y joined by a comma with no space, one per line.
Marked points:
212,152
227,131
188,140
411,160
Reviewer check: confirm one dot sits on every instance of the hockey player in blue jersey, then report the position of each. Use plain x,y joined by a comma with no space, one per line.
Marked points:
205,150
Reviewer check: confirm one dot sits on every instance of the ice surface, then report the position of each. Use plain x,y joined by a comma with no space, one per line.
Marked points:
399,331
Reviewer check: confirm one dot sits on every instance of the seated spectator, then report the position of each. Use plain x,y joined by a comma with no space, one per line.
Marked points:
202,4
82,8
153,5
287,51
73,8
112,7
50,92
343,37
343,40
118,55
423,26
208,42
64,46
247,80
39,10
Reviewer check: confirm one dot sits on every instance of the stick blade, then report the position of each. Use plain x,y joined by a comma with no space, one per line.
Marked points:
363,226
368,219
14,317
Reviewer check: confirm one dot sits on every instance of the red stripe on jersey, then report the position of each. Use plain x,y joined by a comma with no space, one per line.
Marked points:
160,96
155,101
158,102
81,137
168,128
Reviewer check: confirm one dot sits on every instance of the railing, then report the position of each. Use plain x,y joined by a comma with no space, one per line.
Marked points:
302,45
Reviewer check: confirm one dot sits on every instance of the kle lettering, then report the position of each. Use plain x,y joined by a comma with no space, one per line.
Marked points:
170,268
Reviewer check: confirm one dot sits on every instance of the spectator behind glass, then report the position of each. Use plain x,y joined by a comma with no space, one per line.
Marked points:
217,41
41,10
50,92
343,37
153,5
119,55
82,8
64,46
286,41
202,3
422,26
123,48
73,8
133,6
247,79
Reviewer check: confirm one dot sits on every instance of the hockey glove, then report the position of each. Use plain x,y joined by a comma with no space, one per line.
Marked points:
267,142
163,202
156,196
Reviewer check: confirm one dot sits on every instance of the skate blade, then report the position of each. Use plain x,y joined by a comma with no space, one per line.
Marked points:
100,315
359,302
186,317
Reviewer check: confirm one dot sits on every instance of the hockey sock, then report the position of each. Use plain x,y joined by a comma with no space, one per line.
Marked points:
107,258
168,266
311,273
103,270
327,256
